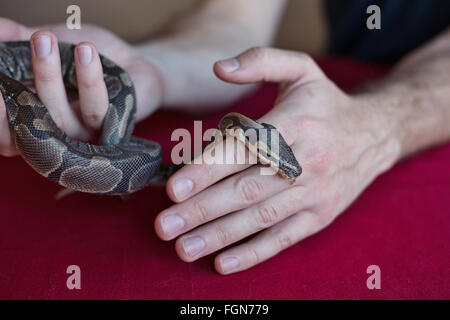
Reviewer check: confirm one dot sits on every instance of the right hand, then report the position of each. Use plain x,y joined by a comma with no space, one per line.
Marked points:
79,119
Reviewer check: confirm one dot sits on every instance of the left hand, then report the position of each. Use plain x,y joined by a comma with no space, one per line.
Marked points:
81,118
340,141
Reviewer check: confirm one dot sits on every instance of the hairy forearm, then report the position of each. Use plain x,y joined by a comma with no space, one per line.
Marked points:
218,29
413,102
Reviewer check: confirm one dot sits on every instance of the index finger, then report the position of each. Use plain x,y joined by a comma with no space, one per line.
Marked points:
199,175
193,178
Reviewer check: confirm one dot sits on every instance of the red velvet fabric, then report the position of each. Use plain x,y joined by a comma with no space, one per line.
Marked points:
400,223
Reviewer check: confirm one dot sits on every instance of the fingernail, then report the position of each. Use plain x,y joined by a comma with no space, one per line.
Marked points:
172,225
42,46
182,188
229,65
229,264
84,54
193,246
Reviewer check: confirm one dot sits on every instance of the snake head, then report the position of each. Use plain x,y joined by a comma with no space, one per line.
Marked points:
279,154
290,170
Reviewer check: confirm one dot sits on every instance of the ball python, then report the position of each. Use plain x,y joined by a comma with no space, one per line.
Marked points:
121,164
263,140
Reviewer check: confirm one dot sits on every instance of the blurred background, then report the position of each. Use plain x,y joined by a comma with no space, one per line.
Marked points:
303,26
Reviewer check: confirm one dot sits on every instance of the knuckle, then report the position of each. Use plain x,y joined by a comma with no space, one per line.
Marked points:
298,199
86,82
90,81
305,57
94,117
283,241
326,217
266,216
254,256
259,53
249,188
308,62
46,75
223,236
320,161
201,211
304,124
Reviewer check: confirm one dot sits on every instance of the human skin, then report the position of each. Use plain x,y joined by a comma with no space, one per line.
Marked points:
172,71
79,119
342,141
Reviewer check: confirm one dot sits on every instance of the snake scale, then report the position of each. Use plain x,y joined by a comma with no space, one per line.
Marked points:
121,164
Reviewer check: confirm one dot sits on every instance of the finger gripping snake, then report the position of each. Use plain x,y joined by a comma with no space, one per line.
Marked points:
121,164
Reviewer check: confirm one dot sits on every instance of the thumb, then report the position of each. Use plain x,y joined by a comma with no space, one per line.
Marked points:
12,31
269,65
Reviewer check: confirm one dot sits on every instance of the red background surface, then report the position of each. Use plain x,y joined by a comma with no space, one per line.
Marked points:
401,223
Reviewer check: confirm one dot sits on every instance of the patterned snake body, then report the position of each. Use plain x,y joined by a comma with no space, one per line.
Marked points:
121,164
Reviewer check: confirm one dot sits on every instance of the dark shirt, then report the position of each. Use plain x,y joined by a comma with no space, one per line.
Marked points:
405,26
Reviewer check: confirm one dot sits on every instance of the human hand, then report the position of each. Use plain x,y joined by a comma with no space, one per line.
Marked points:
340,141
81,118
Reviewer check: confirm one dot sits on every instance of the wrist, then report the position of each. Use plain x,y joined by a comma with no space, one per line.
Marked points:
156,58
148,81
379,126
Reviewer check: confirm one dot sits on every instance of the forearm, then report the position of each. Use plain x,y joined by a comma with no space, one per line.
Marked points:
412,104
219,29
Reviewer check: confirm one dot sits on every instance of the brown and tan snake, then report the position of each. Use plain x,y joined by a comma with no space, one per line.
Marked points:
121,164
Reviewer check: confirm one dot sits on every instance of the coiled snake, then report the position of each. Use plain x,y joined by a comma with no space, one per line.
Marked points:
121,164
